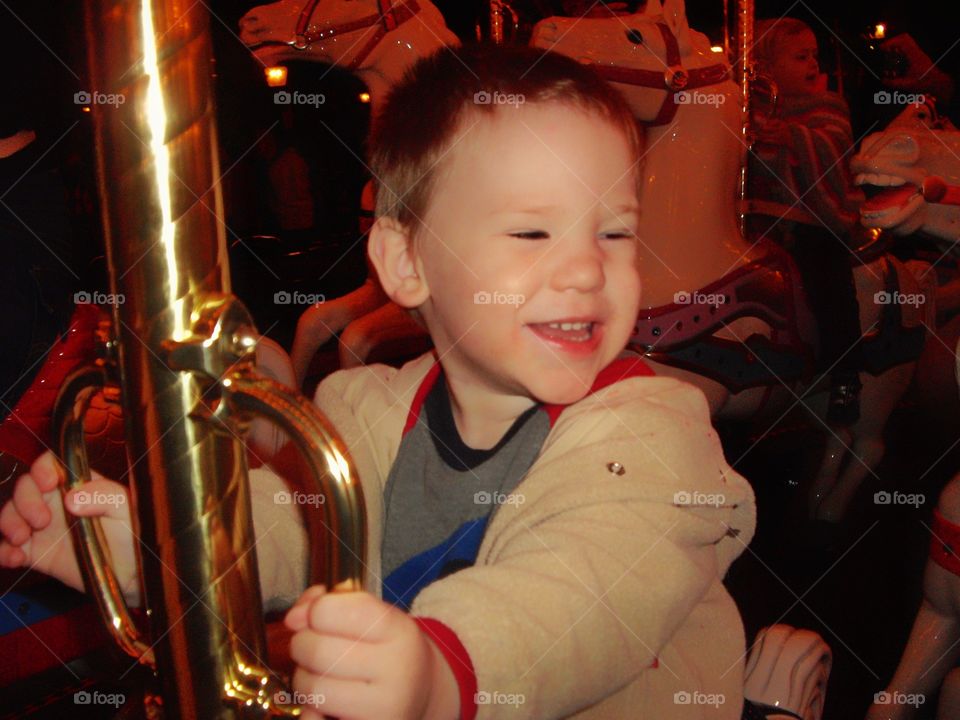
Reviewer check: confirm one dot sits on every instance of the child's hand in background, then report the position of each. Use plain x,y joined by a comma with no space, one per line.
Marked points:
35,533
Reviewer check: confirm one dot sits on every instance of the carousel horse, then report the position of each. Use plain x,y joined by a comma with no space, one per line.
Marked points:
911,173
377,40
723,313
930,657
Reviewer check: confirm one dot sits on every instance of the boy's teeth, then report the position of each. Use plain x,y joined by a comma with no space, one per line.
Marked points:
569,326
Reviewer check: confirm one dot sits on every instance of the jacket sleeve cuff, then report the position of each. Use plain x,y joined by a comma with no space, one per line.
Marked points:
459,661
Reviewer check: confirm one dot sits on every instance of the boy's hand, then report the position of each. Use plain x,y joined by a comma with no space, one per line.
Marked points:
34,531
359,657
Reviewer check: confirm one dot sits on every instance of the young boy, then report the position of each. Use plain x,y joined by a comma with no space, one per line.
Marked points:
550,525
800,166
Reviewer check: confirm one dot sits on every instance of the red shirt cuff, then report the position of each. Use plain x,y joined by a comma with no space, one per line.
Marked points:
459,661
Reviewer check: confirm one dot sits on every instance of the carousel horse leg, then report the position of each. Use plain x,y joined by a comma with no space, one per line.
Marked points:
788,669
879,397
949,706
321,322
934,643
834,452
387,325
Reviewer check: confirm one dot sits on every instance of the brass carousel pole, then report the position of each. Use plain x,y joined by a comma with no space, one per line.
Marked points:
182,352
744,73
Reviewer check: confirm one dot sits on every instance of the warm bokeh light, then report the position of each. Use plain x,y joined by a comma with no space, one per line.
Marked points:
276,75
716,48
364,97
879,31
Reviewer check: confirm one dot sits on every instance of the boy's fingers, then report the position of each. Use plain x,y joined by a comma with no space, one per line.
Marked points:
296,617
29,503
99,497
356,615
337,657
337,698
46,471
12,526
11,557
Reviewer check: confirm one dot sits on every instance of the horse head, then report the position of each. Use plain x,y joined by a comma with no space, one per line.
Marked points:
652,57
682,93
378,39
892,166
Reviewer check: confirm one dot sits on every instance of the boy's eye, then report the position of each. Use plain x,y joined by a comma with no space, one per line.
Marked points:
530,234
618,235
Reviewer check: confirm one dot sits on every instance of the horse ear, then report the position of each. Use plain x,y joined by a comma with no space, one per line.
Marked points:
675,13
652,7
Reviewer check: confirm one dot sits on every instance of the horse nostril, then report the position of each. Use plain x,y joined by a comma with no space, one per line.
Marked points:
635,37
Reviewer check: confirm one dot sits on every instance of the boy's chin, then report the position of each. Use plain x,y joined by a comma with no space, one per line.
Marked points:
567,393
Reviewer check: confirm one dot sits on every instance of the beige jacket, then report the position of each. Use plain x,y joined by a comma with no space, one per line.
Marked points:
599,595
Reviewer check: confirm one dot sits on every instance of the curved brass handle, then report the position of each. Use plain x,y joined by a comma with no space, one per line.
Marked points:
339,560
341,556
89,540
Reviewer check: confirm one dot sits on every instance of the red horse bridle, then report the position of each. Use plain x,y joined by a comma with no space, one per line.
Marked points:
388,18
674,79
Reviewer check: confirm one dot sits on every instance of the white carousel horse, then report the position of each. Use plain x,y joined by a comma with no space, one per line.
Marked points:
783,657
913,166
377,40
721,312
904,163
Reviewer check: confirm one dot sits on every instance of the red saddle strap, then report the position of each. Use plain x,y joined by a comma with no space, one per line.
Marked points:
674,79
388,17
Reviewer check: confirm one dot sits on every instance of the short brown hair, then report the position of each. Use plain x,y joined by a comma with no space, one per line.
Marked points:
423,111
771,33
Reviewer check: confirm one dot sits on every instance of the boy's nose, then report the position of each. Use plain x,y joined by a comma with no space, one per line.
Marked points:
580,268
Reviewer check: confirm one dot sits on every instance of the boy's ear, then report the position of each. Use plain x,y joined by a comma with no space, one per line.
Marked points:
392,252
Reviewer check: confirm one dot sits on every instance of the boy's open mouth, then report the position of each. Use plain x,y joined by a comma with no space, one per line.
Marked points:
570,335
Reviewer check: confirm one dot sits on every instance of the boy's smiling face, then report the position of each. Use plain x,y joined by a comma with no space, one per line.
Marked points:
528,253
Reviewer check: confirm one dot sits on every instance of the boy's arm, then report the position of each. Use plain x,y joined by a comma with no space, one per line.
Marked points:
580,595
819,147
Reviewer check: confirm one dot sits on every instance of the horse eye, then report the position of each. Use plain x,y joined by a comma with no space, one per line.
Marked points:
635,37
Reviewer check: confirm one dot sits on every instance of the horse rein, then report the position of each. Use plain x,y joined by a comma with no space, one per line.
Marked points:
389,17
674,79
